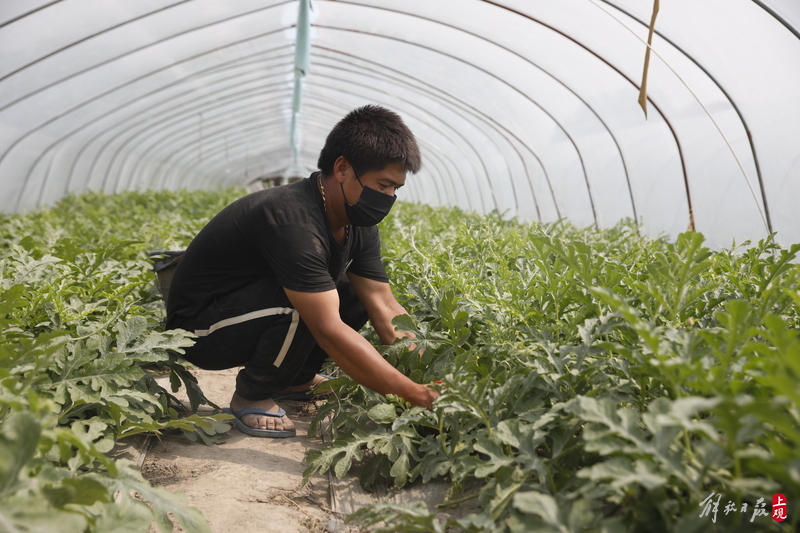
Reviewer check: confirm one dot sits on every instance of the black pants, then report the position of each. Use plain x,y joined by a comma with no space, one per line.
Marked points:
257,328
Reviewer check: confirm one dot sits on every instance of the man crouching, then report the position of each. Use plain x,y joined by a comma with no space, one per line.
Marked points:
285,277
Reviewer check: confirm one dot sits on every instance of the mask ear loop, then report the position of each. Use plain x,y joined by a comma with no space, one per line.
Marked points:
357,177
359,182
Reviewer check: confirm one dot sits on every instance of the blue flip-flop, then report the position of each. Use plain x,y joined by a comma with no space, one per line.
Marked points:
304,396
257,432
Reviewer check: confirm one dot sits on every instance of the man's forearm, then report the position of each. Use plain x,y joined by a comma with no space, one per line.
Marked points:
383,323
385,330
352,352
359,360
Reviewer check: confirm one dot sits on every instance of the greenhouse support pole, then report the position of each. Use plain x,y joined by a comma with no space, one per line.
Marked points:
302,63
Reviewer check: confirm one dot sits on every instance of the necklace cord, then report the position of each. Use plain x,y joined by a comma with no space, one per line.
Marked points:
325,206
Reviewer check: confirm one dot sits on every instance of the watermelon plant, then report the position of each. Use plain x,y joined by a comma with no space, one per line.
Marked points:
81,343
591,380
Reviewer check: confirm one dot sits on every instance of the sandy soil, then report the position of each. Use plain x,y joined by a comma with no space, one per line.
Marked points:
247,484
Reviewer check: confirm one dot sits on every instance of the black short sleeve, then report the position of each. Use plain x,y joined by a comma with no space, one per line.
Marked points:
298,257
368,263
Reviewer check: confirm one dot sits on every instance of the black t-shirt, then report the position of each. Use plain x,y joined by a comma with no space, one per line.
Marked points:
279,232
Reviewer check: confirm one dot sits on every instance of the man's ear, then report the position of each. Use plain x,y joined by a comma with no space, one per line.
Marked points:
340,167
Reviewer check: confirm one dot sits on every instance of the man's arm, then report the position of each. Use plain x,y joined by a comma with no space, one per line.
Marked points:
352,352
381,306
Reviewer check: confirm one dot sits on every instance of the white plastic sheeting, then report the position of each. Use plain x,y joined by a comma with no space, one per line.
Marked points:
527,107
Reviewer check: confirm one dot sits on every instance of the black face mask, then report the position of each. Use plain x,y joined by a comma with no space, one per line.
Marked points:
370,208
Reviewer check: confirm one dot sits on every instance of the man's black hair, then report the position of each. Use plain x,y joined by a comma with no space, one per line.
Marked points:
370,138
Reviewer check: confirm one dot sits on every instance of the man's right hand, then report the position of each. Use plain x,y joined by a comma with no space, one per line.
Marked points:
423,397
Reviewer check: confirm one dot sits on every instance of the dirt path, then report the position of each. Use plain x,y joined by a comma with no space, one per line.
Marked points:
247,484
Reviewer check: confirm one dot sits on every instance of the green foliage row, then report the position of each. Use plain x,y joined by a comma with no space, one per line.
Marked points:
592,380
80,336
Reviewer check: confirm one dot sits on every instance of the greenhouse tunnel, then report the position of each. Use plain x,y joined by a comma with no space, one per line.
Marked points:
529,108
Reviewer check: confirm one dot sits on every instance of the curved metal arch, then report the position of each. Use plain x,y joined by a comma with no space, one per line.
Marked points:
144,135
182,162
629,80
421,120
453,101
130,117
55,144
523,143
177,174
28,13
521,93
206,149
47,175
384,77
275,99
440,130
518,91
439,160
198,105
177,138
524,163
88,37
779,18
134,50
170,169
171,158
432,158
215,165
106,93
345,108
323,133
723,91
107,130
218,166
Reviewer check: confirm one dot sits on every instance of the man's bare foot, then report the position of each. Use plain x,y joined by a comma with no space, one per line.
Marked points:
305,386
261,421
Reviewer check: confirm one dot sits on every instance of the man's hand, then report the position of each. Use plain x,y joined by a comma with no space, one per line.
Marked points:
423,397
352,352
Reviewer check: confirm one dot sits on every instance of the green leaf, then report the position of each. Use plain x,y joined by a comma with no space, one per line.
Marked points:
32,514
76,491
622,473
163,503
18,445
127,516
542,505
406,323
495,457
400,470
383,413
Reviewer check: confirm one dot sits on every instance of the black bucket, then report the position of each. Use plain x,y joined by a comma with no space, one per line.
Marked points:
164,264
